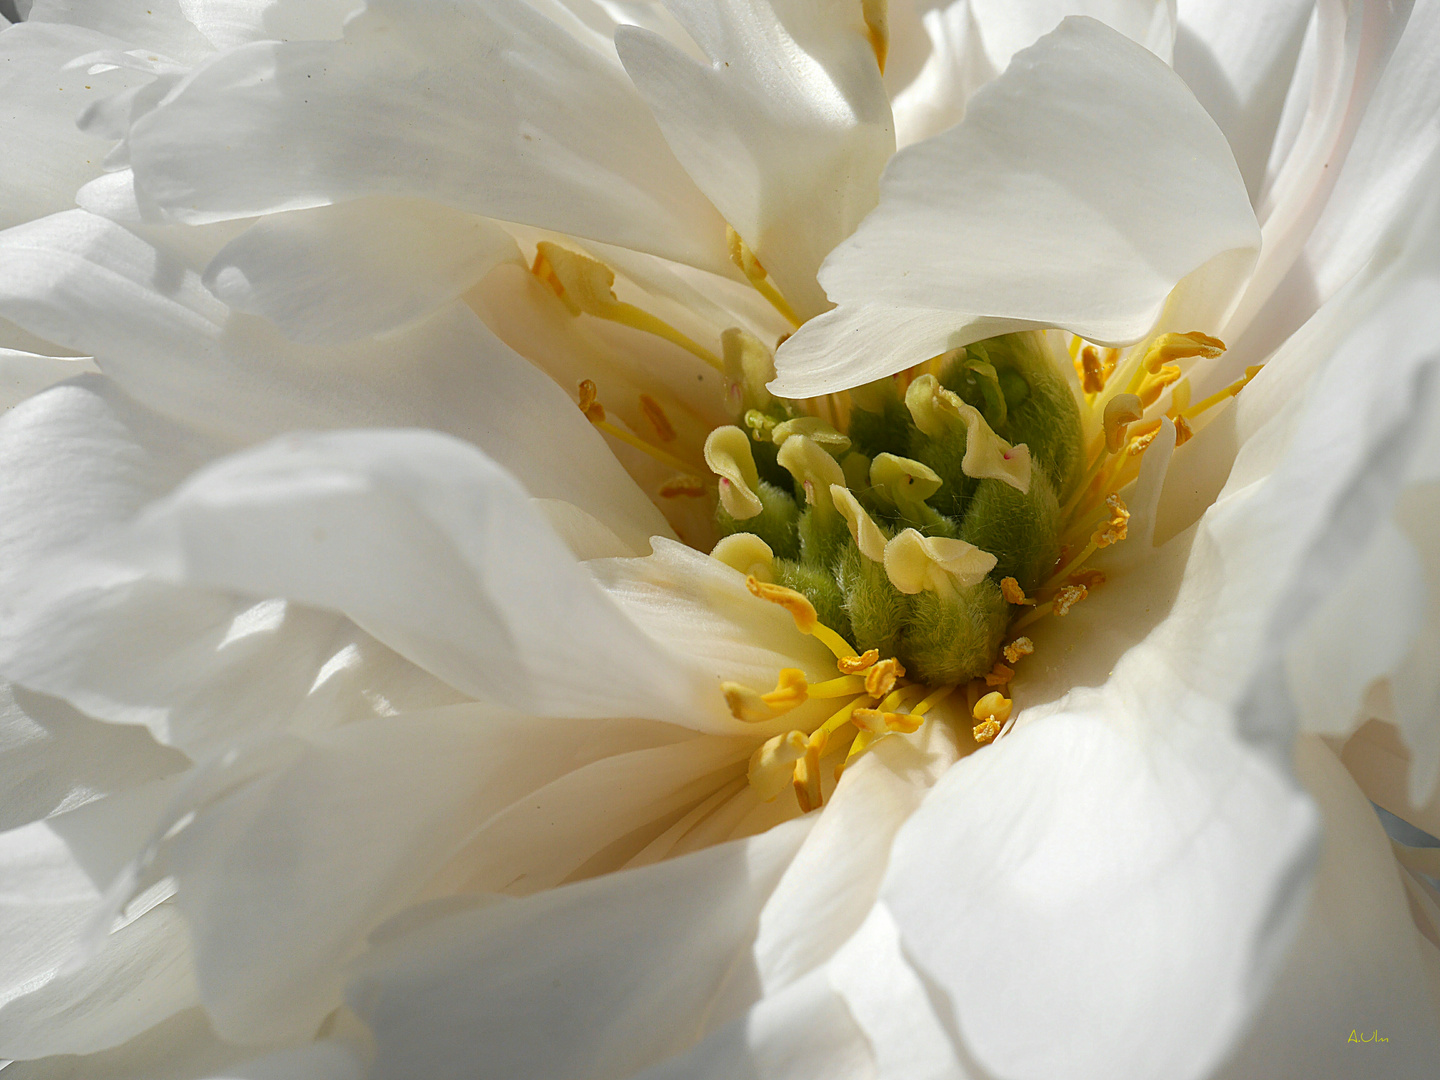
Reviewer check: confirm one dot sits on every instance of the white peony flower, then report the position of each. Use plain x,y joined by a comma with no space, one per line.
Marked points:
1069,474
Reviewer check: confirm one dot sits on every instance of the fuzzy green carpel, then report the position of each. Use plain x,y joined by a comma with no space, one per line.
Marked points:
925,599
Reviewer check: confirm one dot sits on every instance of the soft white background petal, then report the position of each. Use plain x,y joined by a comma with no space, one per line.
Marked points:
593,980
488,107
356,269
1083,184
786,129
88,284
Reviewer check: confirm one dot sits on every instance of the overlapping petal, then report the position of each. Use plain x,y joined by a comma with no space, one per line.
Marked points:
1082,186
488,108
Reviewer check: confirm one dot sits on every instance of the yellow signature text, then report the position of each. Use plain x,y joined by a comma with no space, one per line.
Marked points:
1373,1037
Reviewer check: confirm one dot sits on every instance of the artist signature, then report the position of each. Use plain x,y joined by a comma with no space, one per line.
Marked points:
1373,1037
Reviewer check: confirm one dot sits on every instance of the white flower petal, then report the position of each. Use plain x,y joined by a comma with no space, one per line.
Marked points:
700,608
368,814
357,269
1006,28
53,758
23,374
831,884
227,23
1239,57
1101,876
141,975
153,25
1356,963
601,978
786,129
804,1032
1083,184
89,284
46,156
487,108
208,666
432,548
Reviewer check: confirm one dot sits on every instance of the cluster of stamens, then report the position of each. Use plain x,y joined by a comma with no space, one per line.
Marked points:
915,525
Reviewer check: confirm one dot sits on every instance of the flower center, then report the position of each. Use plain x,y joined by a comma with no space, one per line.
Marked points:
915,525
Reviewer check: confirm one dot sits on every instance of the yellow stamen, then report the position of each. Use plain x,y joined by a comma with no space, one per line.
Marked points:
841,687
880,679
586,285
1120,411
1154,386
879,722
1010,589
1221,395
771,766
664,430
932,699
1068,597
877,28
687,487
803,612
1115,529
595,413
752,707
986,730
1021,646
806,780
855,665
999,675
744,258
1092,378
1168,348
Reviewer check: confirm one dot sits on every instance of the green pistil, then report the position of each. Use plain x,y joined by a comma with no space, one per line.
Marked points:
906,479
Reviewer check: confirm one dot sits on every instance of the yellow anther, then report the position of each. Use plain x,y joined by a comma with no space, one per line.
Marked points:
1092,377
727,453
993,706
664,430
746,704
748,364
863,530
1154,386
587,285
771,766
881,677
1068,597
879,722
682,487
877,28
1113,531
1221,395
855,665
1021,646
1120,412
744,258
1183,432
814,429
803,612
1169,347
938,411
593,410
1091,579
915,563
986,730
999,675
800,609
815,471
747,553
1010,589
